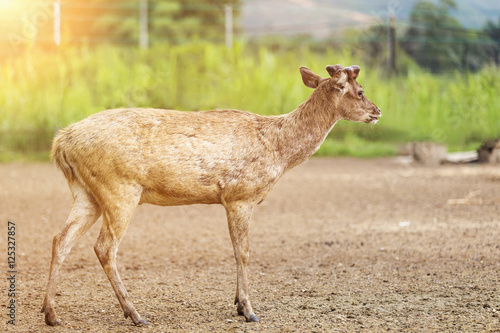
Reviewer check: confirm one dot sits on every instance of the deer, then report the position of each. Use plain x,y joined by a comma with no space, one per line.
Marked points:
117,159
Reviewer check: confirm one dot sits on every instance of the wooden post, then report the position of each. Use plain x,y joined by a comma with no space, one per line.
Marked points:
57,22
392,43
463,59
229,25
143,24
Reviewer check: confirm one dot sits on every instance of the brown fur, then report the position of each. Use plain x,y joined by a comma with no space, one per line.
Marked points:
117,159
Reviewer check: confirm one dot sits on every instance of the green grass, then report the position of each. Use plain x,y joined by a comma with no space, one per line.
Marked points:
41,93
354,146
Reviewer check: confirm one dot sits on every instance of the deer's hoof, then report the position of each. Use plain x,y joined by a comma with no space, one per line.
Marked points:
253,318
50,316
51,320
141,322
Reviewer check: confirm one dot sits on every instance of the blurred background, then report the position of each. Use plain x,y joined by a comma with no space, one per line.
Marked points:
431,66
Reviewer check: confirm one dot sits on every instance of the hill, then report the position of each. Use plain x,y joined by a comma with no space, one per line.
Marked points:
321,18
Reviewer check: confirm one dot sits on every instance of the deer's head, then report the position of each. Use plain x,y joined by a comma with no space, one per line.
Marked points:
344,92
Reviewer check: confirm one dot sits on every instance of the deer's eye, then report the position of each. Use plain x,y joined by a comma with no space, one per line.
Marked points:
360,93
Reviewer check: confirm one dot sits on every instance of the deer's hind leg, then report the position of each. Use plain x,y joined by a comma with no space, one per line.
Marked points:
83,215
116,218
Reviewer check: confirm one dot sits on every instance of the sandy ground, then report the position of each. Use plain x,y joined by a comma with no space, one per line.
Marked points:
340,245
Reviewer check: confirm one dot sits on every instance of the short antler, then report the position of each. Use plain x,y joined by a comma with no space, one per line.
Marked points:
332,69
352,71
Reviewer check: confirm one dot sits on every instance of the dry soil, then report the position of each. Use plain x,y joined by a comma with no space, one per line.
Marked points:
340,245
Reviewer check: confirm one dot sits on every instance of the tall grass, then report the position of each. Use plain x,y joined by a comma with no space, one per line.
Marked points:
41,93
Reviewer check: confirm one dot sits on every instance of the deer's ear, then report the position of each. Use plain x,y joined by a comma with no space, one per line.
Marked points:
310,79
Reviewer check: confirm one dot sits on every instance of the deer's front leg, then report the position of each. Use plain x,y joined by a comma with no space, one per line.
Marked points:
238,219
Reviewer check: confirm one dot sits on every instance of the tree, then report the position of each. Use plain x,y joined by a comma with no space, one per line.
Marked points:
492,30
435,39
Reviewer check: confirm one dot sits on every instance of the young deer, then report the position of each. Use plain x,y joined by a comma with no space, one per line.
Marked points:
117,159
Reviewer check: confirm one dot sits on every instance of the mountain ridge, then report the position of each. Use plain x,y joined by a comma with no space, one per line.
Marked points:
322,18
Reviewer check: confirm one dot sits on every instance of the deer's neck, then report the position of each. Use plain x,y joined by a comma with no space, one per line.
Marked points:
305,129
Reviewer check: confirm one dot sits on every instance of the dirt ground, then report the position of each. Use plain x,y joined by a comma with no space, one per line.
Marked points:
340,245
